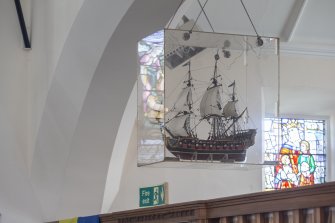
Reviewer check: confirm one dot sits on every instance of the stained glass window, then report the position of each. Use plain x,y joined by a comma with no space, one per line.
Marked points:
297,150
151,97
151,58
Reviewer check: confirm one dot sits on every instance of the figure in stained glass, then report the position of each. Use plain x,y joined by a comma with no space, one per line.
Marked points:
292,132
306,164
151,54
150,98
286,171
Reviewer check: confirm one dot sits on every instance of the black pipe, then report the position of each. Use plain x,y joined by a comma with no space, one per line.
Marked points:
22,24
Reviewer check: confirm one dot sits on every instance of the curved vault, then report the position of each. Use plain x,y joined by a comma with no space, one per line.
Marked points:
91,85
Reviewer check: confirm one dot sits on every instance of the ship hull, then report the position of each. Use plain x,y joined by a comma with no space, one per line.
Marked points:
230,149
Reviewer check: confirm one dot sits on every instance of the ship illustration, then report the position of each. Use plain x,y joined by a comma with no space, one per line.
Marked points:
227,139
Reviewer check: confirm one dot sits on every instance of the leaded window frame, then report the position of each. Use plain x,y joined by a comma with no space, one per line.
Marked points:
272,164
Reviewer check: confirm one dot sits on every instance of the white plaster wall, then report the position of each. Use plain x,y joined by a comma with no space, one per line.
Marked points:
50,25
14,80
17,200
185,184
25,77
82,51
118,158
331,152
307,80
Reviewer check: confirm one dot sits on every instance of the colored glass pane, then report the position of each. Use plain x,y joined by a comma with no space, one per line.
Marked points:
151,54
151,97
297,150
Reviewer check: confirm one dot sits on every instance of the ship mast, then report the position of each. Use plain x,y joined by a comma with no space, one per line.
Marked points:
179,125
214,80
229,111
189,102
211,106
234,101
216,125
189,84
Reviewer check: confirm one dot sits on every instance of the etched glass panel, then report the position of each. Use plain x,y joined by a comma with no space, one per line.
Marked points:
202,99
214,89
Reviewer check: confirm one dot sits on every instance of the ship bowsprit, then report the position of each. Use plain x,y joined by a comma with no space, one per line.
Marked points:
229,149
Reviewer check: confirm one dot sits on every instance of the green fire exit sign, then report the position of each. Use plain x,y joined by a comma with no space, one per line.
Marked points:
153,196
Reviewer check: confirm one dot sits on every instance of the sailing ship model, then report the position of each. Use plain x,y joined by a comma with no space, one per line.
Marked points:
227,140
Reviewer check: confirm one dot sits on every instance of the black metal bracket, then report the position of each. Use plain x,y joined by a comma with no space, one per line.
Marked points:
24,32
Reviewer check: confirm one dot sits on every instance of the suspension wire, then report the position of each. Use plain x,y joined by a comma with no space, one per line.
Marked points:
198,16
203,10
174,14
246,11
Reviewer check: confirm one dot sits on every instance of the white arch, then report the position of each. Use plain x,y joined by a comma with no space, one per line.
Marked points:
87,96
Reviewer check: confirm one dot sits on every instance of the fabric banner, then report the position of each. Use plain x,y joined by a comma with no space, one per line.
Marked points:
71,220
88,219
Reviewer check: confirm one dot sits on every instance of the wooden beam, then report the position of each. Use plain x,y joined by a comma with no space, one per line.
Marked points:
275,203
318,215
293,20
277,217
224,220
297,216
259,218
303,197
24,32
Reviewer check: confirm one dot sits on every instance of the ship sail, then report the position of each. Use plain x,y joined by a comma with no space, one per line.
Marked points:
179,126
211,103
235,120
229,110
184,100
